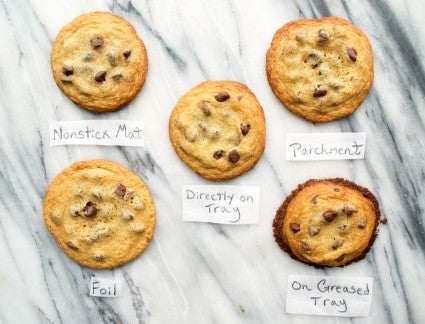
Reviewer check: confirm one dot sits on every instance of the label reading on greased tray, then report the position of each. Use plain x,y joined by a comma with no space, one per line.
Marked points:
221,204
332,296
97,132
105,288
325,146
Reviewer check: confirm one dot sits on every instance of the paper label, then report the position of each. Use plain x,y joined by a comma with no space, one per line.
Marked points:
221,204
97,132
325,146
105,288
332,296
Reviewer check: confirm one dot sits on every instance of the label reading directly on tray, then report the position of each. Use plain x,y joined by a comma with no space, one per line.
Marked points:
97,132
325,146
332,296
105,288
221,204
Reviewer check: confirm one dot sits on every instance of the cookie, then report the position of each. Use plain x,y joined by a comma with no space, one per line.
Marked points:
320,69
218,129
329,222
99,62
100,213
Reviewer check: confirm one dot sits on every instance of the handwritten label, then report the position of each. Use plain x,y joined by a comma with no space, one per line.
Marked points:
325,146
333,296
97,132
221,204
105,288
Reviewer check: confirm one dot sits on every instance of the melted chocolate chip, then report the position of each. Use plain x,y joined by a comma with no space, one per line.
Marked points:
245,129
72,245
96,42
68,70
234,156
329,215
100,76
347,210
126,54
337,244
314,230
318,92
352,54
222,96
205,109
340,258
322,36
112,58
120,190
305,247
89,210
295,227
117,77
218,154
361,224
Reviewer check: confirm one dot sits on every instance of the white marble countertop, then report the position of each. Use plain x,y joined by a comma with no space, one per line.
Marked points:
202,272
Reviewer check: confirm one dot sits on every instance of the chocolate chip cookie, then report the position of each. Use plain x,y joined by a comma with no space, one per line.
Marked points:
101,214
99,62
329,222
218,129
320,69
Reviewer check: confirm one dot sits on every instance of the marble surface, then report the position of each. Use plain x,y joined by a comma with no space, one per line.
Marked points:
201,272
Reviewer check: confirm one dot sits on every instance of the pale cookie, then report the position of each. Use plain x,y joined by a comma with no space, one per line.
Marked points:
218,129
99,62
320,69
101,214
329,222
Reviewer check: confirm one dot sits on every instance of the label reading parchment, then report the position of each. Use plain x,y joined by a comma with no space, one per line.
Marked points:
105,288
221,204
325,146
333,296
97,132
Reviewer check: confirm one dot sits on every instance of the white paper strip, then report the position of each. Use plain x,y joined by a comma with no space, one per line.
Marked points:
221,204
105,288
332,296
325,146
97,132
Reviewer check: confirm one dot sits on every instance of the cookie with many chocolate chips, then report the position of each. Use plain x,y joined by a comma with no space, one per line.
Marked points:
100,213
320,69
99,62
329,222
218,129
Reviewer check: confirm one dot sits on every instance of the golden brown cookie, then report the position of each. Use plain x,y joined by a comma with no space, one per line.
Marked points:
100,213
329,222
218,129
320,69
99,62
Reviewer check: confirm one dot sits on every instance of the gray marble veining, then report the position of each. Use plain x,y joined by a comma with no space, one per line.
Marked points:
196,272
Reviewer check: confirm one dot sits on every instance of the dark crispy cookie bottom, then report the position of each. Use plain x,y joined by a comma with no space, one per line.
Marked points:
281,212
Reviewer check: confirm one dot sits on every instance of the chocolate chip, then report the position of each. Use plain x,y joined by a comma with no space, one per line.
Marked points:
67,70
323,36
361,224
205,109
218,154
245,129
234,156
117,77
295,227
120,190
126,54
318,92
72,245
112,58
96,42
89,210
340,258
100,76
313,230
329,215
337,244
305,247
352,54
88,58
222,96
347,210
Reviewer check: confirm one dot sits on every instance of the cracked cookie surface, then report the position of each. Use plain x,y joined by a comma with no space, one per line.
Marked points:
218,129
320,69
99,62
100,213
329,222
